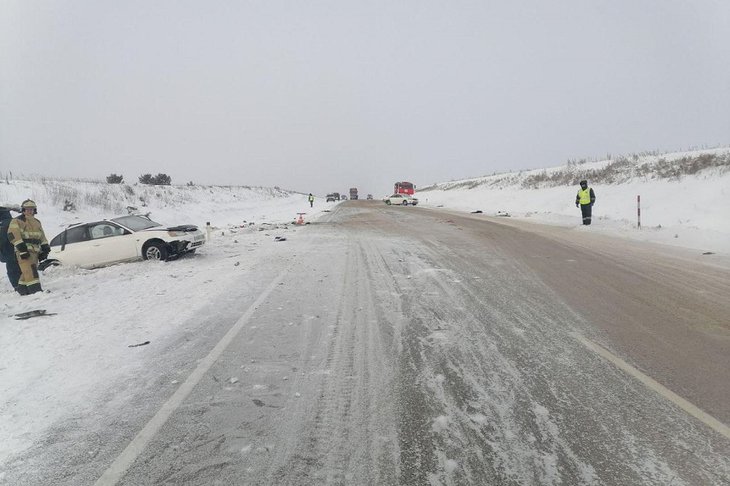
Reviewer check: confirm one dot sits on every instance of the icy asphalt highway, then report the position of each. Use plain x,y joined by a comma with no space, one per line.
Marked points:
412,346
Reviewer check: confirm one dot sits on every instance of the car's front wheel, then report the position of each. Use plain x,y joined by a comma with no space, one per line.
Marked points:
47,264
155,251
405,203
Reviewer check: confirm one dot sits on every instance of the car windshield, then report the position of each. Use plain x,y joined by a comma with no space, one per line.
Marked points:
136,223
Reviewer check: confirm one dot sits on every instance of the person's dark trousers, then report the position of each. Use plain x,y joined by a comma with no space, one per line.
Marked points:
585,209
13,271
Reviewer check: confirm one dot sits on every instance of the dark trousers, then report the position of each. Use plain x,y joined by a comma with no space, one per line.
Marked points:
13,272
585,210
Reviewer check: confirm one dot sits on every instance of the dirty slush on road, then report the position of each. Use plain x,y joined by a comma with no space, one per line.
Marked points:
428,356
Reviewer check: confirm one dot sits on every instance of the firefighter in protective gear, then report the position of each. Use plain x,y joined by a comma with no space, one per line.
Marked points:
26,235
585,200
310,198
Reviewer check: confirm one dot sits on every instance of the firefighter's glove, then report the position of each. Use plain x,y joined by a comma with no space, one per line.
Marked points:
45,250
22,250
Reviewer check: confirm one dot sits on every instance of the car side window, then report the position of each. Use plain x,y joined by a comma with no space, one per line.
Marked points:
104,230
119,231
76,234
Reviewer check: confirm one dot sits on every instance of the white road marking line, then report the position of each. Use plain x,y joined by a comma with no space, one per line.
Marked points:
652,384
120,465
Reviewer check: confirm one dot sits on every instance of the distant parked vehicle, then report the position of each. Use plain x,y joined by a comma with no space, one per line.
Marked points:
331,198
353,193
401,200
122,239
404,188
370,196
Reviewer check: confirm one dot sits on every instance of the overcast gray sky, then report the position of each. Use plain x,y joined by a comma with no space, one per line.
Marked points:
321,96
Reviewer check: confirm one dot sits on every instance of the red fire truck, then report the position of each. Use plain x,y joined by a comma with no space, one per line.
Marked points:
404,188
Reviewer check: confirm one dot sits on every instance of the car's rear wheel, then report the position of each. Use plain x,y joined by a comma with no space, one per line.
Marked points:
155,251
405,203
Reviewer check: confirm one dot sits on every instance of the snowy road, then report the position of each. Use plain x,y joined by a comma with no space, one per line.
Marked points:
410,346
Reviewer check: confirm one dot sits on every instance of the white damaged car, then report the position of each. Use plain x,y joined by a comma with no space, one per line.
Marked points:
122,239
401,200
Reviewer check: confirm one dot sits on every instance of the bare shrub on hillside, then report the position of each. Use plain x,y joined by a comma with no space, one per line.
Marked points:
60,194
618,169
616,172
623,169
106,198
691,165
96,195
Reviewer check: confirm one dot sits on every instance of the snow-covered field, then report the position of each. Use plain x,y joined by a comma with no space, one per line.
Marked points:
692,211
51,365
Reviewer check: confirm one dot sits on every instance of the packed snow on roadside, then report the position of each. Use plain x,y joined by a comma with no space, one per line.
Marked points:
691,211
51,366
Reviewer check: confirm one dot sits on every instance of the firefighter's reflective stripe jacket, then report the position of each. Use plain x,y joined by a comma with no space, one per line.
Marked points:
27,230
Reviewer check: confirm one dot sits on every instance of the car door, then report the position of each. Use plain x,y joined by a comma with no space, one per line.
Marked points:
74,246
110,243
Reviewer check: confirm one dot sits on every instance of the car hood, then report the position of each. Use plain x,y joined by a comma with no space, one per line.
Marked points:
182,227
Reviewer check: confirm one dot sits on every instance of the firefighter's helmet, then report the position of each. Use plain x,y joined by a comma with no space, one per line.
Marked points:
29,204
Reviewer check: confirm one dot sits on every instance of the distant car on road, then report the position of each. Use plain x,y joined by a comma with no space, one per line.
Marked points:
370,196
331,198
122,239
401,200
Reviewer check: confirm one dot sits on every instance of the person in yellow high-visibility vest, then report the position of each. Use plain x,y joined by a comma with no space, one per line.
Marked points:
585,200
26,235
